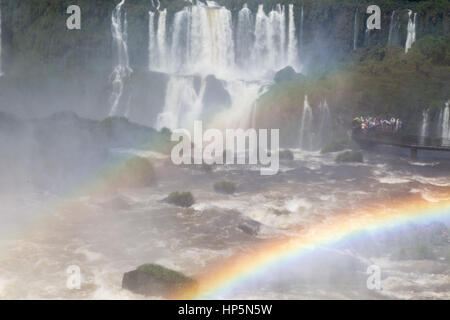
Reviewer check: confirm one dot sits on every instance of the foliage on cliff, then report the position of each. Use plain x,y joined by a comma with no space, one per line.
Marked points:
377,81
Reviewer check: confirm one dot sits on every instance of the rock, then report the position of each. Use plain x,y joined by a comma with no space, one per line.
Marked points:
250,227
226,187
156,280
216,97
286,74
286,155
334,146
350,156
181,199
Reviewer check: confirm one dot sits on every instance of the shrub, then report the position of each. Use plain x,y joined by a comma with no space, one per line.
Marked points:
181,199
350,156
226,187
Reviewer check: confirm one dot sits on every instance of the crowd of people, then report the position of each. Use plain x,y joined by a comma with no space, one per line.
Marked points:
373,123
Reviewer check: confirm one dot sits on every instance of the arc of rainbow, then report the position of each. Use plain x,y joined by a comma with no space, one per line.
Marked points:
345,226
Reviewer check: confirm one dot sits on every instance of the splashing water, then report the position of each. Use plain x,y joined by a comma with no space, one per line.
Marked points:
425,124
122,70
411,36
202,43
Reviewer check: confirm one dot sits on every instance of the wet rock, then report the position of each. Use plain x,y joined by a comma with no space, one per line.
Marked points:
286,74
350,156
181,199
156,280
250,227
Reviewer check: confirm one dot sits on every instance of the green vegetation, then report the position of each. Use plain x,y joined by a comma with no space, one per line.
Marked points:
181,199
165,274
350,156
378,81
226,187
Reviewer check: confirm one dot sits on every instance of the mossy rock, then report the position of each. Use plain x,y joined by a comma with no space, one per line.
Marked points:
286,155
334,146
226,187
350,156
156,280
181,199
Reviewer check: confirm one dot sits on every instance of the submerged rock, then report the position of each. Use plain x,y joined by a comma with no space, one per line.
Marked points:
181,199
156,280
350,156
226,187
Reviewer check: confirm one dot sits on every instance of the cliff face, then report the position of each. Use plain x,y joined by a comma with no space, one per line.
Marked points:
35,37
41,57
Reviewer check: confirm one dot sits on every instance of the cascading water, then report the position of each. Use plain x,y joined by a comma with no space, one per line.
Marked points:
355,30
181,99
445,134
292,40
202,43
425,125
391,28
411,36
300,39
244,36
325,123
122,70
306,126
152,45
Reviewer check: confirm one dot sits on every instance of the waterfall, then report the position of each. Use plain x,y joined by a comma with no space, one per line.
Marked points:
161,39
411,36
122,70
300,39
306,126
200,41
355,30
445,134
425,123
244,36
270,39
292,39
182,104
325,123
391,28
152,45
1,70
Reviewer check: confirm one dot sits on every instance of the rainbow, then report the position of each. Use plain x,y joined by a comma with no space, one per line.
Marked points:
345,226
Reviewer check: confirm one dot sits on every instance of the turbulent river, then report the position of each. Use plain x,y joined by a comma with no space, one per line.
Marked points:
107,236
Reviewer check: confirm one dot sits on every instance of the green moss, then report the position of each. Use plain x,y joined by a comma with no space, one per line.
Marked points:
181,199
350,156
226,187
165,274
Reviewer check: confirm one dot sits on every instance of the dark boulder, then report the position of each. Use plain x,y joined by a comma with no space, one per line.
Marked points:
286,74
156,280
